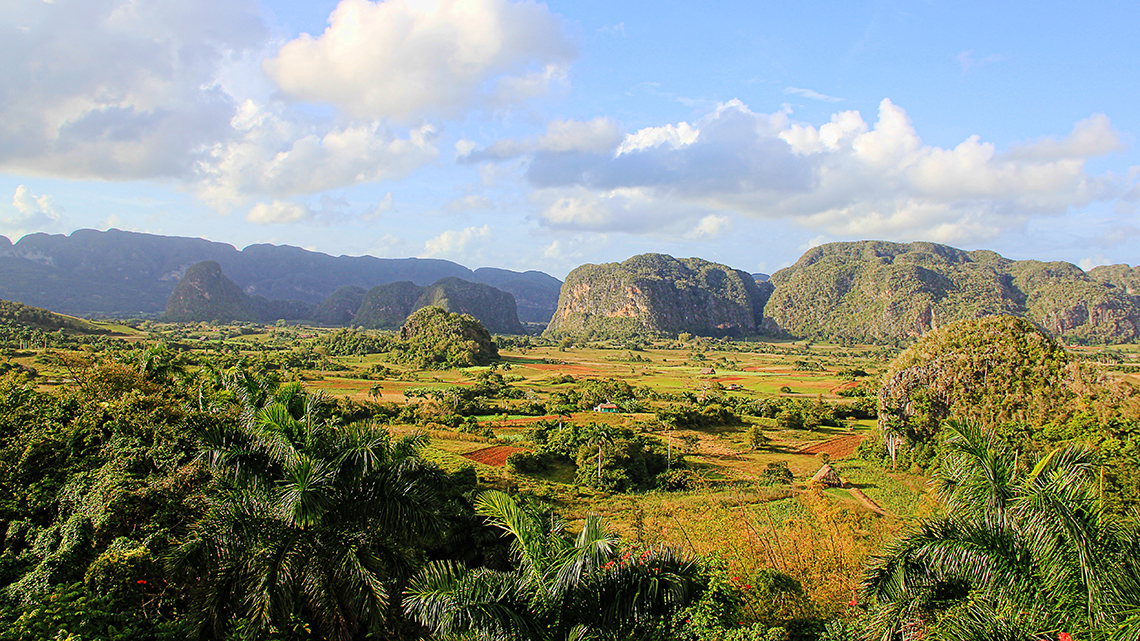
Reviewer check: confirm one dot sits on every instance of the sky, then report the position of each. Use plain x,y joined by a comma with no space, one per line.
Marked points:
529,135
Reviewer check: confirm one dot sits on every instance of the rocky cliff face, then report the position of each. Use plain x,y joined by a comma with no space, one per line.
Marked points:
205,294
874,291
658,294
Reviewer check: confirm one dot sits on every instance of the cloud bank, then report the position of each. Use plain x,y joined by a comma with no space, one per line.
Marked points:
406,60
845,178
144,89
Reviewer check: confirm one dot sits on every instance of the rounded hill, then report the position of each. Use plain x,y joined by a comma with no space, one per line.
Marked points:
658,294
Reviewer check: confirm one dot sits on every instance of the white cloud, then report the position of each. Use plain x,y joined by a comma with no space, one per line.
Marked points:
143,89
382,207
278,212
279,156
386,245
402,60
599,135
1090,262
32,213
711,226
117,89
815,242
674,136
846,178
812,95
456,243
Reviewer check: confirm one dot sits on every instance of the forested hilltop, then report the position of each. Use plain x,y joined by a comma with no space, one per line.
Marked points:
875,291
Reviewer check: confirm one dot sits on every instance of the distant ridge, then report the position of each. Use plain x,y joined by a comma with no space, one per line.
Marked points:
389,306
206,294
123,273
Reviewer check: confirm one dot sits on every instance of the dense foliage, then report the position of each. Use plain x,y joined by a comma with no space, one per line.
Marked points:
1004,372
1026,550
435,338
875,291
562,587
614,459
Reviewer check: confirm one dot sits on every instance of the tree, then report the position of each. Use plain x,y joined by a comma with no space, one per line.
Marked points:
561,587
315,523
1025,550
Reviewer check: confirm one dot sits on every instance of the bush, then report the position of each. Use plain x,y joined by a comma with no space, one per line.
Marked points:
777,473
526,462
673,480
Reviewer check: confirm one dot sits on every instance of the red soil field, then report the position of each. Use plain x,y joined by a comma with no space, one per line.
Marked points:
495,455
843,386
838,447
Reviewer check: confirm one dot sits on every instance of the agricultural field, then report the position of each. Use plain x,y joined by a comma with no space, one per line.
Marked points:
756,461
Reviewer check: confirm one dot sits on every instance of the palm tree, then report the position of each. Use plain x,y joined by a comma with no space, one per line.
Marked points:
562,587
1025,550
317,524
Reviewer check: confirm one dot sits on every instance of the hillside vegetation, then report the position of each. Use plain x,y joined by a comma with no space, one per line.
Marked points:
206,294
657,295
875,291
432,484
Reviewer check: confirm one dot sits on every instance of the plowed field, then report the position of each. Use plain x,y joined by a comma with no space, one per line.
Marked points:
838,447
495,455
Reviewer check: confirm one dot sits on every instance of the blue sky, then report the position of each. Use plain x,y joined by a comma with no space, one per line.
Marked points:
543,136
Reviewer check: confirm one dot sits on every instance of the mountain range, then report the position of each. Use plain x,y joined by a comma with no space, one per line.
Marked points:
864,291
117,272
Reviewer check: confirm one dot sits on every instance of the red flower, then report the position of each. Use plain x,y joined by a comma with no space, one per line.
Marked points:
854,603
1064,636
747,587
141,581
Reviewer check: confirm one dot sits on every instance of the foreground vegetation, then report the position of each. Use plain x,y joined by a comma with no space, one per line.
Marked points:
283,482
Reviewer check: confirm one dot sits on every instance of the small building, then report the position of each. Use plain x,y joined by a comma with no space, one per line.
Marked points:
827,477
708,371
607,407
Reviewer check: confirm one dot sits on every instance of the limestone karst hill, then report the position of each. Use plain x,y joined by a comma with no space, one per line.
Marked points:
655,294
875,291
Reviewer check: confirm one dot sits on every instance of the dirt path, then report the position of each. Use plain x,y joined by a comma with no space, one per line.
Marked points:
837,447
866,501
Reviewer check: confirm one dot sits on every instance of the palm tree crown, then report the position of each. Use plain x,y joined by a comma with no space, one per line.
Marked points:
315,522
562,587
1025,550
